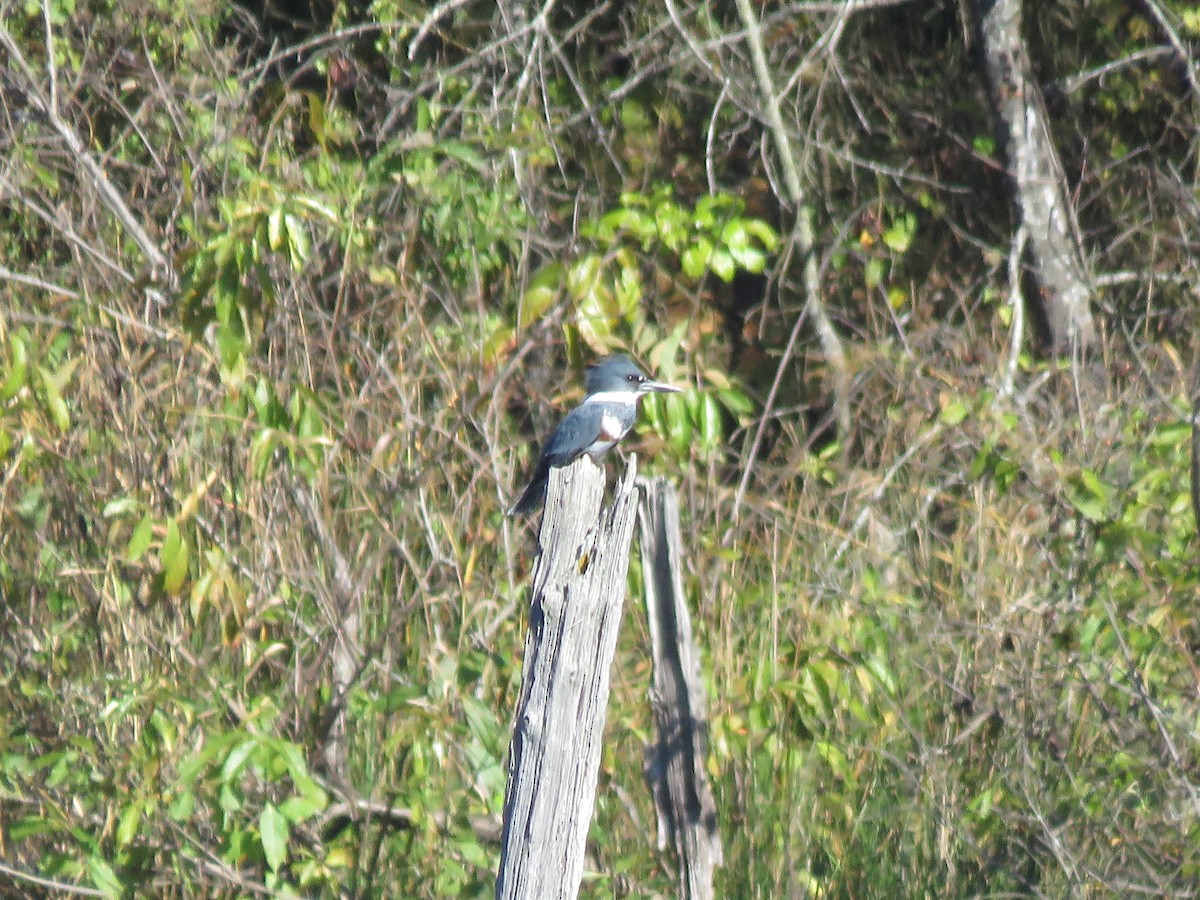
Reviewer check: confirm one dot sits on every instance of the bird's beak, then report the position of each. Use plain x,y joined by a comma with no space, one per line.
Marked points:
660,387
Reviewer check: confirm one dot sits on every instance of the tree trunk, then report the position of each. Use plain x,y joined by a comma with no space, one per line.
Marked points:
1039,184
578,590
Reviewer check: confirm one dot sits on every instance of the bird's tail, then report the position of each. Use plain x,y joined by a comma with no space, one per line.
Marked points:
533,494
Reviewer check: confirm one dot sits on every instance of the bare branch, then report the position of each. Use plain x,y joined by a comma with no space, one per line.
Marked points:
29,878
161,267
1160,15
831,343
9,275
1016,300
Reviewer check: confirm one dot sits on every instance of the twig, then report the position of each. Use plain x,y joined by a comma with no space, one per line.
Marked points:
1139,689
710,137
51,66
47,883
434,16
319,41
1195,470
1185,56
876,495
831,344
347,659
1109,279
67,232
160,265
1017,300
9,275
1075,82
213,864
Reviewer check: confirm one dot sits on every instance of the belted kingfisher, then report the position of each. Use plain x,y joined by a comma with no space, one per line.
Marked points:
614,387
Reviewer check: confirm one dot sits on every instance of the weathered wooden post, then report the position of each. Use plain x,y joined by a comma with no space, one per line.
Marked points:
687,814
579,583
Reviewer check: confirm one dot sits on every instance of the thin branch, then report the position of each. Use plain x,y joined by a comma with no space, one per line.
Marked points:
831,343
1017,300
51,65
47,883
1075,82
9,275
434,16
1161,16
69,233
1110,279
160,265
1139,688
923,439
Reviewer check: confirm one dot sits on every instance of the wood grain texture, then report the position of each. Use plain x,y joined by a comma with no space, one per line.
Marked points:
687,814
579,584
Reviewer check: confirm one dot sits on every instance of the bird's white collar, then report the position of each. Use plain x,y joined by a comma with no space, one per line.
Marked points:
612,397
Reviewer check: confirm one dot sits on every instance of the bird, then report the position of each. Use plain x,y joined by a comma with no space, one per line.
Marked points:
614,387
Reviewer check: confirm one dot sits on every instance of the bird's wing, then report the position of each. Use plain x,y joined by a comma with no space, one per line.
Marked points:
579,430
574,435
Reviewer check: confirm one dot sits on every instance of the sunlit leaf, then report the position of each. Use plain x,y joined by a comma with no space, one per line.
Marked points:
694,260
174,558
139,541
722,265
104,878
18,368
273,829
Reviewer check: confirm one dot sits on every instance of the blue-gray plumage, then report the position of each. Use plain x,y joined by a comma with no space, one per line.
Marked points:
614,387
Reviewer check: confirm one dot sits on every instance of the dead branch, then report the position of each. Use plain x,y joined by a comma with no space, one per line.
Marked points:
160,267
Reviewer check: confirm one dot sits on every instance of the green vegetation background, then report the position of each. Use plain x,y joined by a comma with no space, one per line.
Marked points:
950,653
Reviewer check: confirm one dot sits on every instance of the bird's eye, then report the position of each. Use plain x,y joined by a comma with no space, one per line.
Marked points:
635,379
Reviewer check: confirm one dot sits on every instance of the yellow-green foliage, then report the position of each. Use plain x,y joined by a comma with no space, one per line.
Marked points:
261,616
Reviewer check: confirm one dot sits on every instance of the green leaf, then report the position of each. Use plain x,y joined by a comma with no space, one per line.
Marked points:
873,272
316,117
1089,496
297,241
302,807
139,541
232,767
954,412
584,276
56,406
316,206
736,401
104,878
630,221
182,806
127,826
695,258
174,558
764,232
898,238
540,295
275,229
721,262
273,828
671,223
18,369
711,425
628,289
465,154
749,258
119,507
592,316
262,447
679,427
1171,435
